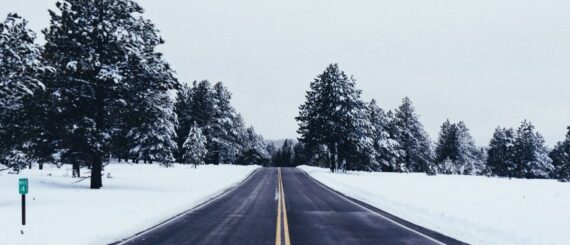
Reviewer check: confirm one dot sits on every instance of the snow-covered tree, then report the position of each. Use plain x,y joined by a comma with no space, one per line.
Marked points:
413,140
253,151
20,62
500,153
531,155
183,108
387,148
195,151
334,115
21,70
455,152
106,62
226,130
153,139
560,156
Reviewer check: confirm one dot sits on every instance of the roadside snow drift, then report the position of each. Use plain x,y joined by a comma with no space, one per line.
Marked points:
473,209
133,198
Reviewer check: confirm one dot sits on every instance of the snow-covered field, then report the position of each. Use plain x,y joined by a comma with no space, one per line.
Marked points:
474,209
136,197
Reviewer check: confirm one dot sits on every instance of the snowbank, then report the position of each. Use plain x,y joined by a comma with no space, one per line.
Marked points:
474,209
136,197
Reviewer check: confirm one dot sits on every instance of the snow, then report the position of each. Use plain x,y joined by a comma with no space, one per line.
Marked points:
473,209
136,197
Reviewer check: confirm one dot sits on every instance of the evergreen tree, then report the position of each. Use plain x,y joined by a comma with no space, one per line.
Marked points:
560,156
105,57
284,156
500,154
225,135
153,140
195,151
300,155
414,141
334,115
531,156
253,151
456,152
385,144
183,108
21,68
270,148
20,62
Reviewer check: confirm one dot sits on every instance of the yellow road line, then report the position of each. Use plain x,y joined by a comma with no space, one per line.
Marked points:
285,223
278,229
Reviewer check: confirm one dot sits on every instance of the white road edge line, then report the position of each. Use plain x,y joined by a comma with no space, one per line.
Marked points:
197,207
369,210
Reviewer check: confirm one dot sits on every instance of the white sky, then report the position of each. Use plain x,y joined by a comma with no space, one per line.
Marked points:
485,62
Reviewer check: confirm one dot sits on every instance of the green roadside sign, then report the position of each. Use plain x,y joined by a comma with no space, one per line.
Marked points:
23,186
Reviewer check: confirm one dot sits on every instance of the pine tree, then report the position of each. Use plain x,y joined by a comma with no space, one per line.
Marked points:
20,62
225,135
500,154
183,108
414,141
194,147
334,115
300,155
21,68
105,57
456,152
560,156
385,144
253,151
153,140
531,156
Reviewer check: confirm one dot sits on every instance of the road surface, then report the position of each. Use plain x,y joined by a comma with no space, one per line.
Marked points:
286,206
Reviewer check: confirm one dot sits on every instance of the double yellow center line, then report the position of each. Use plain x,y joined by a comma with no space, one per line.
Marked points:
281,211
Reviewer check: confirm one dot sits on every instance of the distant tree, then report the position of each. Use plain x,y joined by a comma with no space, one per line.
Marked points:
560,156
270,148
183,109
413,140
195,151
253,151
153,139
284,155
530,153
226,129
501,153
456,152
386,146
334,115
300,155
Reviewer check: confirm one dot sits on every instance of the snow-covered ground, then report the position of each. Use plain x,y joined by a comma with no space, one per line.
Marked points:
474,209
136,197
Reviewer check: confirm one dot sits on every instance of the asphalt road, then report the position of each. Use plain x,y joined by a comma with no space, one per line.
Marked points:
286,206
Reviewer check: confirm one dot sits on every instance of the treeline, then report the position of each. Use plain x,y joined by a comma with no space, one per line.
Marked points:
99,89
340,130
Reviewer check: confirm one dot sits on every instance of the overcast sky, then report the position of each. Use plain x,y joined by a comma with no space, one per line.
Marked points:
485,62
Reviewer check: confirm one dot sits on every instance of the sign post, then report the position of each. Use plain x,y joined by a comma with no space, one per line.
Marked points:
23,189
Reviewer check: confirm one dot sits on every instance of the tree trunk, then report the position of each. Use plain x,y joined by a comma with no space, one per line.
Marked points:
76,173
30,165
96,169
41,165
333,156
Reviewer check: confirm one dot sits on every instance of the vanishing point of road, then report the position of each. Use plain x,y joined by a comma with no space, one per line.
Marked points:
285,206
